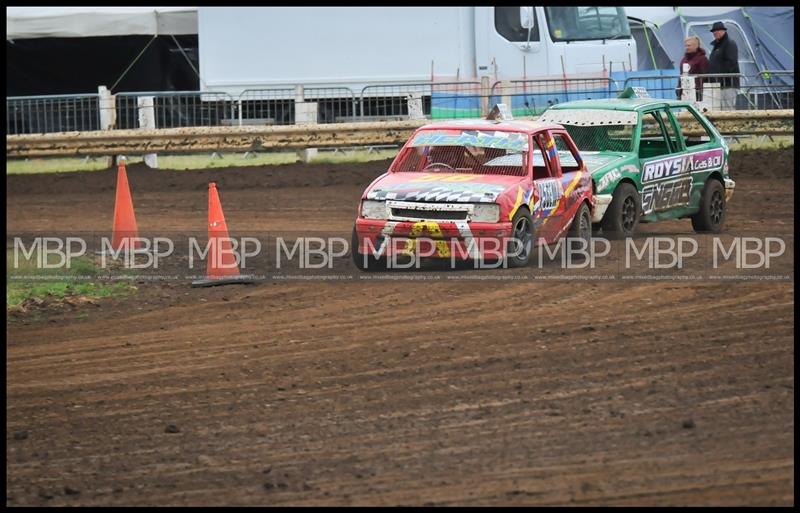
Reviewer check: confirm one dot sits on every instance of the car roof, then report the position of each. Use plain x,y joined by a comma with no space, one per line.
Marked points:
517,125
629,104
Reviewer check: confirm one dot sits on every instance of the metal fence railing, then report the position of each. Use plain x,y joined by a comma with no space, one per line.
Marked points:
266,106
334,104
432,100
176,109
276,106
727,91
532,97
438,100
52,113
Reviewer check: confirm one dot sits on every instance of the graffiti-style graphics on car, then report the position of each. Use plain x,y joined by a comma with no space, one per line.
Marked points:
673,166
438,188
664,195
498,140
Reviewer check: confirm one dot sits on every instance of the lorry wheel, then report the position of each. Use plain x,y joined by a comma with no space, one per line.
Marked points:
711,216
365,263
622,216
519,253
581,227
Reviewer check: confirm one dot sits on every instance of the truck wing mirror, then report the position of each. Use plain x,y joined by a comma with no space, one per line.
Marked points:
526,17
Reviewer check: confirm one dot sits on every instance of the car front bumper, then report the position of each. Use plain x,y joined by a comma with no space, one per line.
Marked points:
432,239
601,203
730,185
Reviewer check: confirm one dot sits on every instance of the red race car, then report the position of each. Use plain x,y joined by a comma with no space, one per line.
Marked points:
476,189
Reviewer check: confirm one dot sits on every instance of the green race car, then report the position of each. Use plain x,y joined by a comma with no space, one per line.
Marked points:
650,160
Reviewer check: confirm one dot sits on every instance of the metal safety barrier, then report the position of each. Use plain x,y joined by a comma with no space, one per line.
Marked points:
276,106
266,106
438,100
175,109
52,113
766,90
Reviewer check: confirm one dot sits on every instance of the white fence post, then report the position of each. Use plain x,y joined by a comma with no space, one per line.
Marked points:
147,119
415,110
688,92
486,89
108,109
304,114
108,114
506,97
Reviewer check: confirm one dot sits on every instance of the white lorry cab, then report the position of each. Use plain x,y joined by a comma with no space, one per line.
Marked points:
372,61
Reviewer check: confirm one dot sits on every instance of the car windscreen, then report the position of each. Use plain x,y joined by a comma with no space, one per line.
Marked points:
602,138
465,151
586,23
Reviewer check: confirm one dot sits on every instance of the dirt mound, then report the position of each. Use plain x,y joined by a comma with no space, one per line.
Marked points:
755,163
144,179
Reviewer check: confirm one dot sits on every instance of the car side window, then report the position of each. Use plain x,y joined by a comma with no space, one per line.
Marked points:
672,135
542,165
569,159
693,130
653,139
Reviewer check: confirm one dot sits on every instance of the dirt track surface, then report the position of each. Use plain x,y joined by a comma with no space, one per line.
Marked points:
361,393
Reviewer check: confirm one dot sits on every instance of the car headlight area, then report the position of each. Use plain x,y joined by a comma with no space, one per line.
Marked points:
371,209
485,212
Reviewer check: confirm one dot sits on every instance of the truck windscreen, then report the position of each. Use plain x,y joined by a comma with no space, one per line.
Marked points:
584,23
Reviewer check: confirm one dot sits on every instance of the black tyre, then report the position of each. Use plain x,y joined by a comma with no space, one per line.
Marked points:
581,227
365,263
711,217
519,253
622,216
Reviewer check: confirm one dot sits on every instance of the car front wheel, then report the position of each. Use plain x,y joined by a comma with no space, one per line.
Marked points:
519,249
622,216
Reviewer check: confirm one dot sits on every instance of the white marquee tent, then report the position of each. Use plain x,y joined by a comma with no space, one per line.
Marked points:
42,22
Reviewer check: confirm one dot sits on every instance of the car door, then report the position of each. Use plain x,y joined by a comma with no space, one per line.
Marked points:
665,185
703,150
548,186
571,168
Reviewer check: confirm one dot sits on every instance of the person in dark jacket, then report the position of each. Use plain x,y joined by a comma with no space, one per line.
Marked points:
724,58
696,58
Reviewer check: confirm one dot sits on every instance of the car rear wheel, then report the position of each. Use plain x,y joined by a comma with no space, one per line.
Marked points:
622,216
520,248
711,217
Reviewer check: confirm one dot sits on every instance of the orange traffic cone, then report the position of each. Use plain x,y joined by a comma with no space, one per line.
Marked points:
124,233
124,218
221,268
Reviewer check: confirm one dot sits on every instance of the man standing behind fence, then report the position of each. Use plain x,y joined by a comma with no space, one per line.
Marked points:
696,58
724,59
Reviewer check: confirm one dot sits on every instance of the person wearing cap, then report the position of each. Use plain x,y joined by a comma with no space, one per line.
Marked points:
724,58
695,57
